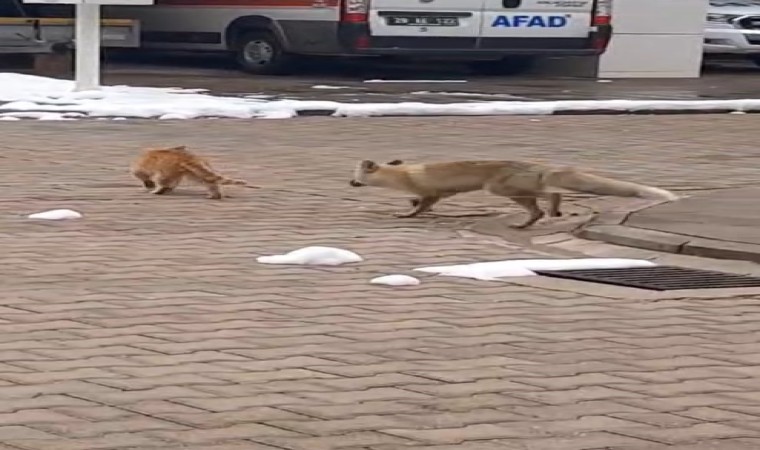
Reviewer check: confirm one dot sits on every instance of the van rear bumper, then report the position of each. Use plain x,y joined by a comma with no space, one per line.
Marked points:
355,39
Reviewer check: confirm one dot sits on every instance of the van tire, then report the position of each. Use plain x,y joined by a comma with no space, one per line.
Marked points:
512,65
261,53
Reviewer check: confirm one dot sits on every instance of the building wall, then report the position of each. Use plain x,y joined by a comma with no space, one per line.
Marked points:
655,39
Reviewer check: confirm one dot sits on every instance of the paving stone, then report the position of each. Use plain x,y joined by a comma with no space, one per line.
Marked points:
148,324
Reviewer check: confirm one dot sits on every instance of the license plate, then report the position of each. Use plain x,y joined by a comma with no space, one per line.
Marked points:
423,21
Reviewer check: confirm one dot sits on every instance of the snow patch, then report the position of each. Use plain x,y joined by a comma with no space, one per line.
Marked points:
34,97
395,280
56,214
493,270
40,115
481,271
283,114
314,256
327,86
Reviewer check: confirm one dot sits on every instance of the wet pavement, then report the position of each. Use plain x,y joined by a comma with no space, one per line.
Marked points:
347,81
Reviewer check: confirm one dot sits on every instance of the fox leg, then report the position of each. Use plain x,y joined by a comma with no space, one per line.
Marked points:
531,205
164,185
423,204
415,202
526,199
555,200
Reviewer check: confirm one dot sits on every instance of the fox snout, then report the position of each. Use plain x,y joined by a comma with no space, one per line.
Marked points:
356,183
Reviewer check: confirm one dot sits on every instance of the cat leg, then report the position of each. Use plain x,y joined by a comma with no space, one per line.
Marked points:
145,178
214,191
165,184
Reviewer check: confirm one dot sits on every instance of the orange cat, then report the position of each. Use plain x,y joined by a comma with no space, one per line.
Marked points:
161,170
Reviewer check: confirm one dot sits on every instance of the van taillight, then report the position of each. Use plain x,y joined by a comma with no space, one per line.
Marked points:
355,11
602,13
602,22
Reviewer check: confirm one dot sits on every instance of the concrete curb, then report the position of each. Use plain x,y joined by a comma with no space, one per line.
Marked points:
580,112
611,228
330,112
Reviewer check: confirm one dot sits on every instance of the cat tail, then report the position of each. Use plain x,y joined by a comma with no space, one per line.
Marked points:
205,174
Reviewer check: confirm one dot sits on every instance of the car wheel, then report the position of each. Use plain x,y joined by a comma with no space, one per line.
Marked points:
513,65
261,53
755,59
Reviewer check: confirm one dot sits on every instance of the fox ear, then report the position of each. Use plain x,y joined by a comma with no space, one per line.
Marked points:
369,166
395,162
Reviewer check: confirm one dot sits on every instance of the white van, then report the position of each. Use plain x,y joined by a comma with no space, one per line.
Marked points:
266,35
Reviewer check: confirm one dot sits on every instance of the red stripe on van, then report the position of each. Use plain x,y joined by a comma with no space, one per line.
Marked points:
251,3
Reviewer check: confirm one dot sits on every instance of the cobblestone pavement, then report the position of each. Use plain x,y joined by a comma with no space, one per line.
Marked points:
149,325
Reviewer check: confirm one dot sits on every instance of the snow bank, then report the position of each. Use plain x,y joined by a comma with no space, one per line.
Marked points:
525,267
56,214
33,97
317,256
395,280
27,96
502,108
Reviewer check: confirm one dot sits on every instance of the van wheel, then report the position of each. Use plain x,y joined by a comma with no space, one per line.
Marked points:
513,65
260,52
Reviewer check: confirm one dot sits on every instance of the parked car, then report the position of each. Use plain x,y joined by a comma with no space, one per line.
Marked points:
733,29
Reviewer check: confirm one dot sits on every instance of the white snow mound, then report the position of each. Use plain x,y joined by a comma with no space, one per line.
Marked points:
313,256
395,280
493,270
56,214
481,271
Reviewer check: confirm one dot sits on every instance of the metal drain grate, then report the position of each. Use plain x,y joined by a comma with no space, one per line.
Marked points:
658,278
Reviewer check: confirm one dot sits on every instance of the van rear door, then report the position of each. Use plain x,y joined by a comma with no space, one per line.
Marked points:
454,23
507,22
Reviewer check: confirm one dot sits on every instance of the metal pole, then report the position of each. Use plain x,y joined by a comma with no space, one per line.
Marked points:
87,46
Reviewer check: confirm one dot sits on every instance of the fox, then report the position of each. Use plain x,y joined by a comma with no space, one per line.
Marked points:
522,182
162,169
